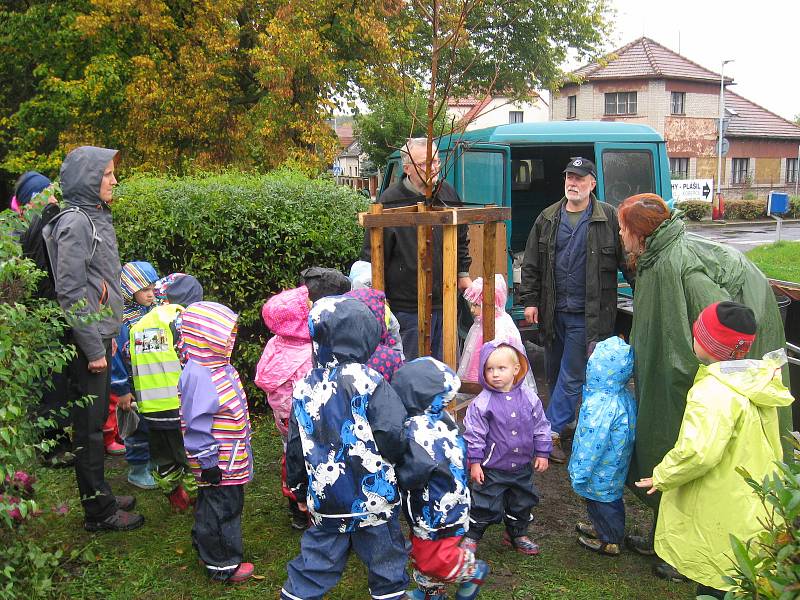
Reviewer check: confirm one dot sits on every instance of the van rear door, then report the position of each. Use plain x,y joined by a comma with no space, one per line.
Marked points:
625,169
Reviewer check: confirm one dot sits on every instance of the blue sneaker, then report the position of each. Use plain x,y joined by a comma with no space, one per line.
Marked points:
469,589
418,594
140,476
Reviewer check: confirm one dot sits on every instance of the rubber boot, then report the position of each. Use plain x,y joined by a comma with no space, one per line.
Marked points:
469,589
140,476
179,500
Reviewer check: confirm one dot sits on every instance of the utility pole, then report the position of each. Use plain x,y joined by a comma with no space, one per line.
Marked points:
717,207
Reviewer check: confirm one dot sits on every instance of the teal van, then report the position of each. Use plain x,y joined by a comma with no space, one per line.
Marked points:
521,166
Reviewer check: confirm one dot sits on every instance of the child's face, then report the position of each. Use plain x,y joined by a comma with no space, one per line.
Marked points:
501,369
145,296
703,356
475,309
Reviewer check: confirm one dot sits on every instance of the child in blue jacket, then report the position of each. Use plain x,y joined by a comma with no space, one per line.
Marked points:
434,482
603,443
345,435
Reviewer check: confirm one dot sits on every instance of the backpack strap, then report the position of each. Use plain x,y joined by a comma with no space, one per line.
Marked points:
96,239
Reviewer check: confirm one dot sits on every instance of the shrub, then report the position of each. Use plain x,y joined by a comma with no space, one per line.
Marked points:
245,237
794,208
745,210
695,210
30,350
768,566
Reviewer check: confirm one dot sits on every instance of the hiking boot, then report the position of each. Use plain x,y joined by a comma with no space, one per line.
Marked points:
469,544
299,521
598,546
179,499
639,544
115,449
469,589
243,573
126,503
522,544
666,571
586,529
141,477
557,454
118,521
569,430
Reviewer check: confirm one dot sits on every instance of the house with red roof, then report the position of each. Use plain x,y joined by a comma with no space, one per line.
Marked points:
645,82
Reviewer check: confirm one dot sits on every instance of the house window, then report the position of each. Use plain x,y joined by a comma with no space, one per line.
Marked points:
572,107
741,169
678,103
621,103
791,170
515,116
679,168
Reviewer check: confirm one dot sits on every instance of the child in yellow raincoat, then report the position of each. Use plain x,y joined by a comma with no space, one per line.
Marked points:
730,421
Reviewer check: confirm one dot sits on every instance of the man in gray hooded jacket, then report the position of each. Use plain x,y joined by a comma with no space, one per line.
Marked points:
82,248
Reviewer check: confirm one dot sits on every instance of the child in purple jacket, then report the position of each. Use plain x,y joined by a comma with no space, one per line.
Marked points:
506,429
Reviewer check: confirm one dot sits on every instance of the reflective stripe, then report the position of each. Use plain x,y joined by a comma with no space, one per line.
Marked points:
163,393
158,368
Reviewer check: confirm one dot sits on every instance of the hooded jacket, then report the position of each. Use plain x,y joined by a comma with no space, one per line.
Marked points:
400,247
506,430
287,356
603,443
433,476
135,276
213,402
346,427
83,253
386,358
677,276
731,422
604,255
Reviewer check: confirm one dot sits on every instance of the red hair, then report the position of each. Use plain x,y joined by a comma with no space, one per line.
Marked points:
641,215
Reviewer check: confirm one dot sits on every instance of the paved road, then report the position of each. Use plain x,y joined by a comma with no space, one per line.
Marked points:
747,237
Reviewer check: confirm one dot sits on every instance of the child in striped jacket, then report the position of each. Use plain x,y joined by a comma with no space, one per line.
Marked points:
216,437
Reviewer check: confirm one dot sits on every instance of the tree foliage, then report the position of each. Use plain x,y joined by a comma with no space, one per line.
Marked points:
392,119
181,84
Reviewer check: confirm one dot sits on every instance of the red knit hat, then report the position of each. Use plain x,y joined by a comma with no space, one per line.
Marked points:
725,330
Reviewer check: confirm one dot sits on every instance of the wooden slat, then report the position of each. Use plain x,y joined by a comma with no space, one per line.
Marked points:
376,250
449,298
460,216
489,266
424,279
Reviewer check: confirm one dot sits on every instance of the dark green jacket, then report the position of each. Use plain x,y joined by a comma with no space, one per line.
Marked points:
677,276
604,255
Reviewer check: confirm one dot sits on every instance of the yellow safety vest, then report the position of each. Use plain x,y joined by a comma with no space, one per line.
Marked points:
154,362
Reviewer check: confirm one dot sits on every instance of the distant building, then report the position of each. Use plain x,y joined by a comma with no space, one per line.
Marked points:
491,111
645,82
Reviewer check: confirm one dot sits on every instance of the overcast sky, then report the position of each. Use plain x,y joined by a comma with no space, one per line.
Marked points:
762,37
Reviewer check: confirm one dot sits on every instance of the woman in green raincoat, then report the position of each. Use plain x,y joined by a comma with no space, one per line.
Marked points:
678,274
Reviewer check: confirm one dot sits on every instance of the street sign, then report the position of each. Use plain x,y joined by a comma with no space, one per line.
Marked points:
777,204
692,189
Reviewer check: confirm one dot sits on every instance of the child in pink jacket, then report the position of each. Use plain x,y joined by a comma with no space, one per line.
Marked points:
286,359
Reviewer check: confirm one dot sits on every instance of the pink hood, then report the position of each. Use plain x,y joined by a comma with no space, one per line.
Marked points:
289,351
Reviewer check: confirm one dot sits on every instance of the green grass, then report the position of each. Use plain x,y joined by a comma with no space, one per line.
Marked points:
157,561
780,260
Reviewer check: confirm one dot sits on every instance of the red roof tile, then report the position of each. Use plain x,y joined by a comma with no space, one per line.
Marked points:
752,120
646,59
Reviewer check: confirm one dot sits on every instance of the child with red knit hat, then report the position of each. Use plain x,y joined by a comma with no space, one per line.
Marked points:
730,422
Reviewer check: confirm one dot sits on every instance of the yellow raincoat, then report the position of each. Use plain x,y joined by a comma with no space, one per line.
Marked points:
730,421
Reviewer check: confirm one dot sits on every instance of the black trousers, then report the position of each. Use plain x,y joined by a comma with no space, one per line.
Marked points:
507,496
217,531
55,398
87,421
166,450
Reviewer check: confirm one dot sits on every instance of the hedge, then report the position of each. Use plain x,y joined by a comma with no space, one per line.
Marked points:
745,210
245,237
695,210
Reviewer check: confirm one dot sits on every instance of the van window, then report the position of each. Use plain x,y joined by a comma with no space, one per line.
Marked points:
482,177
625,173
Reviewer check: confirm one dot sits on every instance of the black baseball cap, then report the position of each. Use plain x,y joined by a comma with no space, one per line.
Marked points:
581,166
